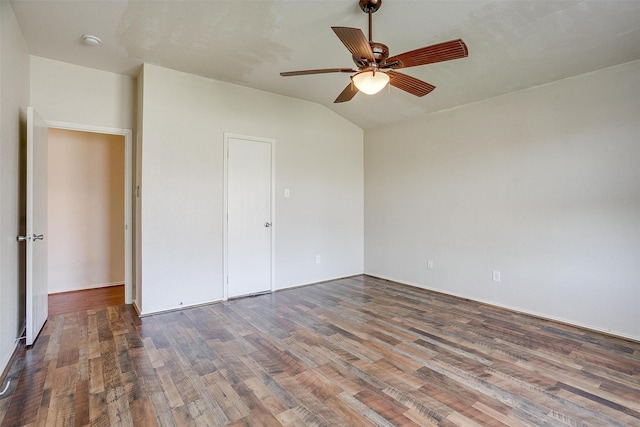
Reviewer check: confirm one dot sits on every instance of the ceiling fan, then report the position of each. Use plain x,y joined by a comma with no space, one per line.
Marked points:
374,66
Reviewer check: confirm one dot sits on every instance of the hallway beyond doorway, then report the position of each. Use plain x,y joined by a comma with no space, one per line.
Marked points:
87,299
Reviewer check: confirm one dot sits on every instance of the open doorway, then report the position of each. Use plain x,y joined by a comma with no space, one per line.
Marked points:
86,218
35,217
126,136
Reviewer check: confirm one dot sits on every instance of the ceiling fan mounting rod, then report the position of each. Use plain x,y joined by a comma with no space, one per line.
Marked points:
369,7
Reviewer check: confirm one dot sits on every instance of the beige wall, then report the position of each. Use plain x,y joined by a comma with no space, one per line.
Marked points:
83,96
542,185
14,99
318,156
74,94
86,210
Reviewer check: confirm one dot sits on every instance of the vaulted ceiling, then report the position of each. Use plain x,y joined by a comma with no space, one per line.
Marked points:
512,45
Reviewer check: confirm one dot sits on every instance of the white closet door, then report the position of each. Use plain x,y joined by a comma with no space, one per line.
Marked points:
248,216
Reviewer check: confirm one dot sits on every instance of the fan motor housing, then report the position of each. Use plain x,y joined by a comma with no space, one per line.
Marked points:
380,53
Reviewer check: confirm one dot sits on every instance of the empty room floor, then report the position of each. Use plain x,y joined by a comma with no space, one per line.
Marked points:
358,351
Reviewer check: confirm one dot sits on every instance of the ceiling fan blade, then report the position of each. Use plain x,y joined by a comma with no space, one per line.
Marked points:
409,84
355,41
318,71
347,94
453,49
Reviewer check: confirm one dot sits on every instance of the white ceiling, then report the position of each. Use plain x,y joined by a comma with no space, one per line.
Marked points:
512,44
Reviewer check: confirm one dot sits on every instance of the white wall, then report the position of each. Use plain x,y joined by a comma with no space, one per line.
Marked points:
542,185
63,92
14,98
86,210
318,156
74,94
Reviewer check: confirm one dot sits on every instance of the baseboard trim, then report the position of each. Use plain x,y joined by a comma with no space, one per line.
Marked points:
136,308
171,310
302,285
557,320
88,287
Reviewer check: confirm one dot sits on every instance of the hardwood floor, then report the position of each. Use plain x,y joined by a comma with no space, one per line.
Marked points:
88,299
358,351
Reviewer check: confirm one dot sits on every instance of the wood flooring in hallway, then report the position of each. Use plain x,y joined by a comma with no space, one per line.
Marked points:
352,352
87,299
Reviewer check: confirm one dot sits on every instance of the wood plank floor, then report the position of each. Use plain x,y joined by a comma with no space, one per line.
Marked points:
357,351
87,299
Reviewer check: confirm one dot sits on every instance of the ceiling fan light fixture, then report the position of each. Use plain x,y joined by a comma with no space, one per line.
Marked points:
370,81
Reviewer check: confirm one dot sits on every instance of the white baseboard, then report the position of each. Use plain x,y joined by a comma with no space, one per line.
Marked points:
514,309
84,288
300,285
169,310
136,308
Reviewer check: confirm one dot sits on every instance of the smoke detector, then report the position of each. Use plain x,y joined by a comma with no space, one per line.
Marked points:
90,40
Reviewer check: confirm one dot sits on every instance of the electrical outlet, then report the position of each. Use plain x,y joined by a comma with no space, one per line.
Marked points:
287,193
318,259
496,276
430,264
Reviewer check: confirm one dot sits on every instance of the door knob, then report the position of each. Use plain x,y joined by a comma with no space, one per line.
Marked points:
38,237
267,224
23,238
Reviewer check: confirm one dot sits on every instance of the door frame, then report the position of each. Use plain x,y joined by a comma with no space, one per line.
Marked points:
128,183
225,207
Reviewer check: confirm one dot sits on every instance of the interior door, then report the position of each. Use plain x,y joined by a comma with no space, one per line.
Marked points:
248,216
36,226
